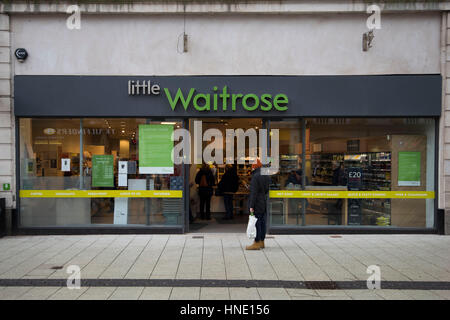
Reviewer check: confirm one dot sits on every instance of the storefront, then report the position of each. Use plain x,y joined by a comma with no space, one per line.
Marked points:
355,153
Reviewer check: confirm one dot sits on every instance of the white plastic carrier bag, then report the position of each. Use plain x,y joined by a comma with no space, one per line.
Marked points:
251,227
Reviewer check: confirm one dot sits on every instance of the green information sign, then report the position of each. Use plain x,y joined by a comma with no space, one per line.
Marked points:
155,149
409,168
102,171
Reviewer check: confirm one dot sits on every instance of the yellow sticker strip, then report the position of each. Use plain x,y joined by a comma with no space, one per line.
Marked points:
101,193
352,194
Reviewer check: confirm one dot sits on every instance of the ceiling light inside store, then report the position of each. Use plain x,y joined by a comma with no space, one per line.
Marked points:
172,123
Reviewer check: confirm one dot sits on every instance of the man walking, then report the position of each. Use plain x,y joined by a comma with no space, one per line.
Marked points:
257,203
228,185
205,181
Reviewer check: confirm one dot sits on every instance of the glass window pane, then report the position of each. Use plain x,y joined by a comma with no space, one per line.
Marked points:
371,155
287,211
120,142
49,160
395,155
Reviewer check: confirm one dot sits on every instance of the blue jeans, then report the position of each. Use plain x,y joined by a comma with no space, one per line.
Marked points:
228,202
260,227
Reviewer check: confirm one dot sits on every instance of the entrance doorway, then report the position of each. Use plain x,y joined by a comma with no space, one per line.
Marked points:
219,221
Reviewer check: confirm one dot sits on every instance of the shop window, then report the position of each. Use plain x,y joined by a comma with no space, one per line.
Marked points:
96,163
395,157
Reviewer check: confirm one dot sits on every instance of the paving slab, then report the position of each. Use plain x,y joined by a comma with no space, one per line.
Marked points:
156,293
12,293
38,293
273,294
442,293
333,295
216,293
126,293
223,256
303,294
422,295
97,293
65,293
364,294
244,294
185,293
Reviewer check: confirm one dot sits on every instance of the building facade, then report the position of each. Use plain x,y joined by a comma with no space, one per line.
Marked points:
366,129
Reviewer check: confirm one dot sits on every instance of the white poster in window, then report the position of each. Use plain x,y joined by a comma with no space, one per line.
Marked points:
123,167
122,179
137,184
65,164
120,210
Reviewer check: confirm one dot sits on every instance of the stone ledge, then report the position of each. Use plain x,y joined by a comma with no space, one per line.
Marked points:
245,6
4,22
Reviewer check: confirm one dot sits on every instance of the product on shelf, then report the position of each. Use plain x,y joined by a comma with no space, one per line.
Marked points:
376,176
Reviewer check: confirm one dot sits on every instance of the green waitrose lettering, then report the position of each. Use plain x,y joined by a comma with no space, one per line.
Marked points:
208,101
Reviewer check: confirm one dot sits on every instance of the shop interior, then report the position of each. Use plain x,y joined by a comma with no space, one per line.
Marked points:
218,223
47,143
366,149
346,154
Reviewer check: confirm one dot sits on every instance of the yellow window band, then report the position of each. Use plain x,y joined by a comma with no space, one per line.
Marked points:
352,194
101,194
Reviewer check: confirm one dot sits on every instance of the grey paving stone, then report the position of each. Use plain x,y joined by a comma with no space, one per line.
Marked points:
333,294
126,293
97,293
185,293
65,293
422,295
363,294
38,293
212,293
156,293
301,294
442,293
12,293
273,294
244,294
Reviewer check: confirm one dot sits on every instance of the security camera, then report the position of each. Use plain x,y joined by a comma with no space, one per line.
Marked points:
21,54
367,40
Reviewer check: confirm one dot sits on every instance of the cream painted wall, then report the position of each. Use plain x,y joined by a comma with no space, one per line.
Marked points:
227,44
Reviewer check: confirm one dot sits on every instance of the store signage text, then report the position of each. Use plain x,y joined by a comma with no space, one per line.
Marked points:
217,100
142,88
73,131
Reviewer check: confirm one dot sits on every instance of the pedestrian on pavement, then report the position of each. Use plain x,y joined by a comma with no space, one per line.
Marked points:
228,185
257,203
205,181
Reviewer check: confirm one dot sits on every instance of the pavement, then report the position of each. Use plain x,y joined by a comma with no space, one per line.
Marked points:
210,266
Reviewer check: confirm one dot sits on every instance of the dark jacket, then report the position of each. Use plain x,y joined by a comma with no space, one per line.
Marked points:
339,177
259,188
292,178
209,177
229,181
